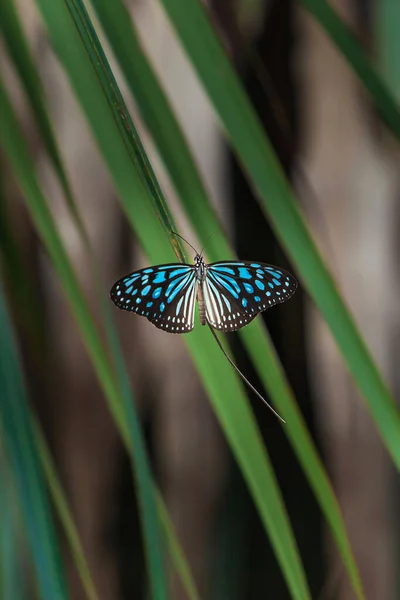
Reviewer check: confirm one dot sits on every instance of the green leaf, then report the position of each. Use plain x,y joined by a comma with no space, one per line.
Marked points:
341,36
173,149
163,125
20,449
132,182
279,205
64,514
12,31
175,551
387,19
27,70
19,159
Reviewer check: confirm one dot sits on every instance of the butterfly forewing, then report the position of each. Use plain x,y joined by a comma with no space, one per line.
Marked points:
165,295
235,292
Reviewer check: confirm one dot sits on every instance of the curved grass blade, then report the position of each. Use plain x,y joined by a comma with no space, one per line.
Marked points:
20,285
121,115
16,152
143,219
278,204
59,499
64,514
345,41
175,550
173,149
387,18
12,31
20,448
271,509
162,123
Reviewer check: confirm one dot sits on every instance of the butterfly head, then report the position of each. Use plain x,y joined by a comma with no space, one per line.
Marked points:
198,259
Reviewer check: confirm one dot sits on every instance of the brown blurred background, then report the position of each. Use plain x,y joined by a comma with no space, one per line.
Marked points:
345,168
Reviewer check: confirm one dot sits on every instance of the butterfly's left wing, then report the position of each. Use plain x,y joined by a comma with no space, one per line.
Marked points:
165,295
236,291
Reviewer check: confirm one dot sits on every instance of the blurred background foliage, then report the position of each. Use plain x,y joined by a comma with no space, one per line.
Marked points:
134,463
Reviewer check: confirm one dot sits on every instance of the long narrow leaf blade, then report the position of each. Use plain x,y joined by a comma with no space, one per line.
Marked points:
172,147
143,219
29,76
17,154
277,201
342,37
19,443
64,514
12,31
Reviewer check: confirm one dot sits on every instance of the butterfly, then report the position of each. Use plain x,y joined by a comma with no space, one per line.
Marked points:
230,294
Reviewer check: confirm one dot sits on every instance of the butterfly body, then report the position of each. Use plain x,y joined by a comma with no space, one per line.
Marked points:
230,294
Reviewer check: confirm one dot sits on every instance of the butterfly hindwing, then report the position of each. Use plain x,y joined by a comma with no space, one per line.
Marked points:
165,295
235,292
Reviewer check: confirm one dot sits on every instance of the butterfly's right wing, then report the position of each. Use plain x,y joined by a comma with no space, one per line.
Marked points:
235,292
165,295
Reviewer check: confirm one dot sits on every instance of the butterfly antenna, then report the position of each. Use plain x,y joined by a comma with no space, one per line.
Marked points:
203,248
182,238
247,382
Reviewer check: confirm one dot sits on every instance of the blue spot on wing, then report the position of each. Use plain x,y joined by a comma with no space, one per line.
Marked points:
229,283
244,273
130,279
232,282
232,264
225,270
180,271
160,277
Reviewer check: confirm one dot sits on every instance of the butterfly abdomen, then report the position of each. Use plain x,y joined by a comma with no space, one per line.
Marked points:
201,305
